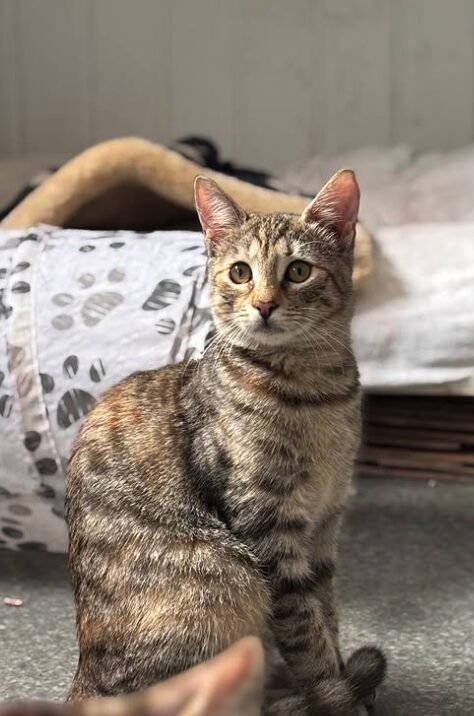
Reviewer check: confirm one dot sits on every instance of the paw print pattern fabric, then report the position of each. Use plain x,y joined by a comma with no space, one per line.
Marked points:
79,310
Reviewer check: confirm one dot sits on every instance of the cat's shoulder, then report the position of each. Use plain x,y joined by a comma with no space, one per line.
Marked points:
142,382
133,400
139,385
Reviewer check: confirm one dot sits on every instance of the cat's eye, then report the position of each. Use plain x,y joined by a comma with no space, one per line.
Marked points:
298,271
240,272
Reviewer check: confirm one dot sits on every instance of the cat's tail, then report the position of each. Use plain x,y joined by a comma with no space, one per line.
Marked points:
345,695
365,670
355,688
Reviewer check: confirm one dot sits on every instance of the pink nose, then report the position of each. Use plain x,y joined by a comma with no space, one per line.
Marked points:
265,308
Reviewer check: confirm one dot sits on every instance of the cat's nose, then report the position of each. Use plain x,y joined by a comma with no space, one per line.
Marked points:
265,308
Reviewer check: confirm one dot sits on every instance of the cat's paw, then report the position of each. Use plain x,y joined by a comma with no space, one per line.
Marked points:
364,671
370,699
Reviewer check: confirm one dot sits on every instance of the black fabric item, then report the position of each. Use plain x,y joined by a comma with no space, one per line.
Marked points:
204,152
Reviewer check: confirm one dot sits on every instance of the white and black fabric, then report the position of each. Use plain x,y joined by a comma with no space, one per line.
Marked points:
79,311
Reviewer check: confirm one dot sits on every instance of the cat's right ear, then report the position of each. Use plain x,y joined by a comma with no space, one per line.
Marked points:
217,212
230,684
336,207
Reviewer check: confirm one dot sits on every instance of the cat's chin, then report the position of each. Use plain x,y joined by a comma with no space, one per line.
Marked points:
265,338
261,337
270,336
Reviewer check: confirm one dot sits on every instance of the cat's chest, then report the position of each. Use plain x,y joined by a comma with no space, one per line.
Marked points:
285,472
276,473
282,446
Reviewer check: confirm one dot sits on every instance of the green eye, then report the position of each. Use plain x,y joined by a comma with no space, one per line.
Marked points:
298,271
240,272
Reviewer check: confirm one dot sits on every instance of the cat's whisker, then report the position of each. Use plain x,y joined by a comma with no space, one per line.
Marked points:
314,348
328,339
335,338
338,357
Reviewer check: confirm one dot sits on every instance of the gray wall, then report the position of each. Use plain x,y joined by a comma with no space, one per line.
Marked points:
273,81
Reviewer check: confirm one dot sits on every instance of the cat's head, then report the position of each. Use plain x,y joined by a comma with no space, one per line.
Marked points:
280,279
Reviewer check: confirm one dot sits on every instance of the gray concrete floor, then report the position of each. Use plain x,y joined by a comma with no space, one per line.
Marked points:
406,581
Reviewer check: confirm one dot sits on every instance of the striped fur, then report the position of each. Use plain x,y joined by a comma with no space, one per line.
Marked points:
204,500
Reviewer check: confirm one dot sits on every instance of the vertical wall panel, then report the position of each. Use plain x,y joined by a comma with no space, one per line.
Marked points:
53,74
202,86
10,132
273,82
432,44
131,68
354,57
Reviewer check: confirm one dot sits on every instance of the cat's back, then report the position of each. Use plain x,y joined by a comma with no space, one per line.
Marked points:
130,441
159,583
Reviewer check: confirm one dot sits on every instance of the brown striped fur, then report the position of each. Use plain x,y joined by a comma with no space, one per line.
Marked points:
204,500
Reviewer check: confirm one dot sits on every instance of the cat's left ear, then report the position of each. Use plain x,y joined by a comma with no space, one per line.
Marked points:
218,213
336,207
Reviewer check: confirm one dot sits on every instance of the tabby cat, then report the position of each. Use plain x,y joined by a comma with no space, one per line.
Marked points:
204,499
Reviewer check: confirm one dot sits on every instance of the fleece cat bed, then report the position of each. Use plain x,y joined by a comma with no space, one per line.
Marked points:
132,183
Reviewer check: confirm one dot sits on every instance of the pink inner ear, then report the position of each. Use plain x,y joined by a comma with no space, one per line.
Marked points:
337,204
217,212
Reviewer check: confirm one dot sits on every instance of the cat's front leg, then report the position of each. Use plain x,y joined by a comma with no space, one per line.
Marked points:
325,540
304,636
305,613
